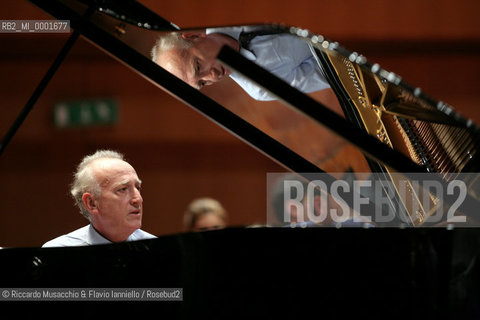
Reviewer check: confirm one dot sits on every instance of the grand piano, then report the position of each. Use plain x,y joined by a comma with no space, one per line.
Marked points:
400,268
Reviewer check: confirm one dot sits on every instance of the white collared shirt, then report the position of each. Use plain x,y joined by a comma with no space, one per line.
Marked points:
284,55
87,236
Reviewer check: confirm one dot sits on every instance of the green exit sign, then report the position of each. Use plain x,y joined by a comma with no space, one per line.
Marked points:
85,113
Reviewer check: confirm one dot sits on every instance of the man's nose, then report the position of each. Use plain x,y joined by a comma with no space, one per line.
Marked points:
136,198
213,75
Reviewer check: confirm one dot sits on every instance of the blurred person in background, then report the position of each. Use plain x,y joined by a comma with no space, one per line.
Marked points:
205,214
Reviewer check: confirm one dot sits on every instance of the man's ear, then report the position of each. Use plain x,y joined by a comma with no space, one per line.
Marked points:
193,35
90,203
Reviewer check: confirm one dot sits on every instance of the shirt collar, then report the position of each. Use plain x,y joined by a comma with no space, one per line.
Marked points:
233,32
93,237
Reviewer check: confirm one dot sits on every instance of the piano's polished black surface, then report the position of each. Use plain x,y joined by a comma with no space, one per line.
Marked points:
269,272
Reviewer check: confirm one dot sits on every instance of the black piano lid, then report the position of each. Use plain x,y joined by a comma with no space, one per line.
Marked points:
95,29
100,28
92,30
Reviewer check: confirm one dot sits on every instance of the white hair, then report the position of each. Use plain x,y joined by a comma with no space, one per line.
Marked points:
168,41
85,181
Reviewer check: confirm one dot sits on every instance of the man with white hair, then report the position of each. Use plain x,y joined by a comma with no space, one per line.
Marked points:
106,188
191,56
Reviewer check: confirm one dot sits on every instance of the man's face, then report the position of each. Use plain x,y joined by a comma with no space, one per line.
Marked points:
197,65
118,209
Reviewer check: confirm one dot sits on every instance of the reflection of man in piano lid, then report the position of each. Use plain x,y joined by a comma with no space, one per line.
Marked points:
106,188
191,56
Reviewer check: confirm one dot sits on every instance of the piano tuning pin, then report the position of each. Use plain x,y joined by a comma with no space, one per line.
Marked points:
333,45
317,39
353,56
383,73
375,68
325,44
417,92
361,60
393,78
302,32
443,107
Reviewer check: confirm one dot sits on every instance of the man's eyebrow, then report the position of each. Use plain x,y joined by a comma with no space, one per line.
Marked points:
121,183
125,182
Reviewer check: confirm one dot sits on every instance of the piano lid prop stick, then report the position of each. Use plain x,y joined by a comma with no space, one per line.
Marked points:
38,91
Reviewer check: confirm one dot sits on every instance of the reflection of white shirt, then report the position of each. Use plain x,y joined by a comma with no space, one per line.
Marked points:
284,55
87,235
